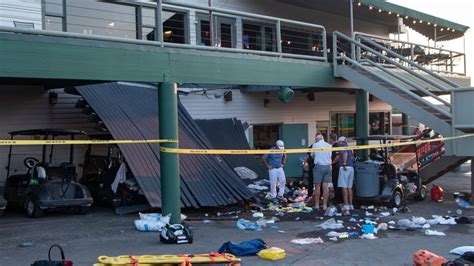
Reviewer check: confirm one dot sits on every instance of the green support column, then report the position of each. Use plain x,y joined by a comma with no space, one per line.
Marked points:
169,164
362,120
405,129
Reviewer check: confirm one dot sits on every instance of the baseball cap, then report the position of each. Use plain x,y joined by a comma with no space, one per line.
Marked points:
280,144
342,139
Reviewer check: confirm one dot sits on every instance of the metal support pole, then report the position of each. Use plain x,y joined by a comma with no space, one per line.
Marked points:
352,29
472,180
64,16
138,23
278,37
362,120
159,22
169,162
451,61
211,25
405,122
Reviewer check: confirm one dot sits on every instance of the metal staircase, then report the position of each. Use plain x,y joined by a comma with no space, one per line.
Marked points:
412,89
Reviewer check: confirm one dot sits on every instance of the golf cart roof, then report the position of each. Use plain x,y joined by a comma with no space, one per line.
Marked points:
387,137
100,136
47,132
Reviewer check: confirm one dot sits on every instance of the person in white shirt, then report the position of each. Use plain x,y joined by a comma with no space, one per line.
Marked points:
322,171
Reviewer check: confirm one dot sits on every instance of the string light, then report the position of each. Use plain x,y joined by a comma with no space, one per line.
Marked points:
398,15
288,42
370,7
448,28
421,21
390,12
442,29
380,10
436,25
406,17
414,21
453,30
359,4
429,23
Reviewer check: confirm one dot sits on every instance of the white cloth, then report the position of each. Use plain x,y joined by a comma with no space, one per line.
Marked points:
324,157
119,177
277,176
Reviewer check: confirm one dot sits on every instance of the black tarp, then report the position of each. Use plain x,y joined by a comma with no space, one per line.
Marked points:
130,111
229,133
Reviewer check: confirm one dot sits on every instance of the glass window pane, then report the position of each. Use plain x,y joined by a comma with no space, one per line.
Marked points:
205,35
174,29
54,6
226,35
148,17
252,36
53,23
99,18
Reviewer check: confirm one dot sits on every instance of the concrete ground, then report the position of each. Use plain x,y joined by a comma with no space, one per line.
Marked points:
103,233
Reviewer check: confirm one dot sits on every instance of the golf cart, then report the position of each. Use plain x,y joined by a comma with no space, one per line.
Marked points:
379,179
39,184
107,177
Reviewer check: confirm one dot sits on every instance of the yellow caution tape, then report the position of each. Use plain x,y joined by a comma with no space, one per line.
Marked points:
305,150
76,142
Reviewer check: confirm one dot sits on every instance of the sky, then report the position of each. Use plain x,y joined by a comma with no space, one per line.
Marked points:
460,11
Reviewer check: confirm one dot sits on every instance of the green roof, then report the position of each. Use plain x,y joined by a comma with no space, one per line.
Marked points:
413,17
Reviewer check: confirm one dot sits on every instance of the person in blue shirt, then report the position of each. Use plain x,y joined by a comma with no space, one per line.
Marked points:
346,173
275,163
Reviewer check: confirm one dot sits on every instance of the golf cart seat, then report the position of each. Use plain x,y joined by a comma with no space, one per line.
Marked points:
52,171
390,170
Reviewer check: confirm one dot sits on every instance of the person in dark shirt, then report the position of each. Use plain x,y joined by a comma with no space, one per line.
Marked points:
335,168
310,162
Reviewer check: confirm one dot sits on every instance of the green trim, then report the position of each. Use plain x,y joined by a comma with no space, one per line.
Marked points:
417,15
43,57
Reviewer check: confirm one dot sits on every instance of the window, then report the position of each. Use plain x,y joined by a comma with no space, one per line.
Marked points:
174,29
299,41
343,124
258,37
53,15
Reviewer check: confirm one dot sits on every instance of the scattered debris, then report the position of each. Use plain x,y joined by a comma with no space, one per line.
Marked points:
434,233
332,224
462,250
152,222
330,211
26,245
305,241
243,224
368,236
245,173
272,253
258,215
206,221
257,187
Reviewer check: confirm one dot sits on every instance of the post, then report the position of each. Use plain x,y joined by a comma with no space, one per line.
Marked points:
138,23
169,162
472,180
351,10
64,26
362,120
451,61
405,123
211,25
278,37
159,22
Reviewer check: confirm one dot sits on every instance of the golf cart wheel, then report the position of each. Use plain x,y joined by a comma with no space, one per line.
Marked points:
82,210
33,209
396,200
421,194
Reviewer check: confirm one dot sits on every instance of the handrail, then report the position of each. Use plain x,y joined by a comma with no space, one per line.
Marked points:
413,64
359,44
257,16
360,66
405,42
406,81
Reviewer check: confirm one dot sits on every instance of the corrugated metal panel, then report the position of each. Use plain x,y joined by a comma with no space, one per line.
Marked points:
131,112
231,135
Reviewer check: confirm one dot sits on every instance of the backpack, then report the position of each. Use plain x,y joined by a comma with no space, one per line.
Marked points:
247,248
49,262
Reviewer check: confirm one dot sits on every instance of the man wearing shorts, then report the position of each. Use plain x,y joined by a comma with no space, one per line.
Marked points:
346,174
322,171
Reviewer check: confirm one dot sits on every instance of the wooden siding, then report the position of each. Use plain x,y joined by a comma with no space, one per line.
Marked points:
249,108
28,11
27,107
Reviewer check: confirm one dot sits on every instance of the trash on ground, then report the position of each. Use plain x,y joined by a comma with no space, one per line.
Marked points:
264,222
331,224
405,209
441,220
368,229
152,223
247,248
434,233
257,187
272,253
385,214
281,231
257,215
243,224
206,221
330,211
382,227
337,234
462,250
463,220
436,193
245,173
305,241
425,257
462,203
459,211
333,238
354,220
368,236
26,245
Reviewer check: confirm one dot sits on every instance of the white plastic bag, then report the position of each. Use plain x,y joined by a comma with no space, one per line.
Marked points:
152,225
461,250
